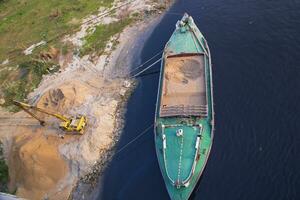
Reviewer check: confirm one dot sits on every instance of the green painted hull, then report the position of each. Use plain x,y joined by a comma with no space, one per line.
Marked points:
182,158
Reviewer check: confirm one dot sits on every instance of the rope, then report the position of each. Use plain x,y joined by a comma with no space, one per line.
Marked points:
137,137
107,12
145,62
146,68
174,13
150,73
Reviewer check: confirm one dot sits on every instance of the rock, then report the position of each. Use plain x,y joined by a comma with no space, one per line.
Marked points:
127,84
5,62
2,101
123,91
29,50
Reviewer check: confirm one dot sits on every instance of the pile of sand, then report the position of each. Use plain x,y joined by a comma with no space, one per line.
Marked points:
35,165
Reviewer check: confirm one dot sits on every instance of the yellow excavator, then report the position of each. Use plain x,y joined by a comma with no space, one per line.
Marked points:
73,124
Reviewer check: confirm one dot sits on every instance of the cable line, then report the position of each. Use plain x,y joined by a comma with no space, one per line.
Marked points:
137,74
141,65
137,137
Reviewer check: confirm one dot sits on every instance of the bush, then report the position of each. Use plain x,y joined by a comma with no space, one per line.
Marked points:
3,172
30,76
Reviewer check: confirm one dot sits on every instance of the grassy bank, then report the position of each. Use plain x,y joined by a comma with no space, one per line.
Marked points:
96,42
26,22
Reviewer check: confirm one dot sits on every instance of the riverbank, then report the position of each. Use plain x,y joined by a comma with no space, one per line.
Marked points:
41,164
90,185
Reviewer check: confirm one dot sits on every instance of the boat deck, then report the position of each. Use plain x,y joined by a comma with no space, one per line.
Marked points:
184,89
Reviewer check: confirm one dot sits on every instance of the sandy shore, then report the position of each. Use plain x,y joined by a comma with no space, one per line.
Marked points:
41,164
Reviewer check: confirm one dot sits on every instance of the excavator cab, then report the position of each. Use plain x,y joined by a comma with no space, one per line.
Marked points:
75,124
69,124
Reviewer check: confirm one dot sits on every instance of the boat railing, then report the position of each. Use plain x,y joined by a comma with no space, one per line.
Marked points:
184,110
178,183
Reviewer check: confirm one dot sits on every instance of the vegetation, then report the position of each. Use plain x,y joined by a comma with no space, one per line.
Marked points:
96,41
3,172
26,22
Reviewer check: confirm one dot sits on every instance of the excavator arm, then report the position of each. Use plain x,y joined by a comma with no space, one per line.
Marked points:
58,116
27,108
72,124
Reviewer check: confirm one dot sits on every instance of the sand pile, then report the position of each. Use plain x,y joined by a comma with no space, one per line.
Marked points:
35,164
62,99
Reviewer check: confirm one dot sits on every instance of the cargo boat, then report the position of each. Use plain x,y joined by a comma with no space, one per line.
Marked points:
184,118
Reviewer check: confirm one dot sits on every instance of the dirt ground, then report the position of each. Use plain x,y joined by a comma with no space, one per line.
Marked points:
41,163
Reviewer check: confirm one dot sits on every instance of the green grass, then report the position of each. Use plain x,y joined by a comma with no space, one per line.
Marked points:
26,22
3,172
96,41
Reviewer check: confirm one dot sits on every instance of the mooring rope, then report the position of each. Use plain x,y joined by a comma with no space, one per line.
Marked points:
141,65
137,74
137,137
105,13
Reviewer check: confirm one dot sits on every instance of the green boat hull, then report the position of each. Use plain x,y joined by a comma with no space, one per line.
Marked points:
184,119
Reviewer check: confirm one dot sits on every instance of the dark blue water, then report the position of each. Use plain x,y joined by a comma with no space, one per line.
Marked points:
255,48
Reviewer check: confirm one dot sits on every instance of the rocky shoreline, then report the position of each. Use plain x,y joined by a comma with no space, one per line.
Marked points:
86,185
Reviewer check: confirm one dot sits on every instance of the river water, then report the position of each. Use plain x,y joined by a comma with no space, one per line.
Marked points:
255,48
